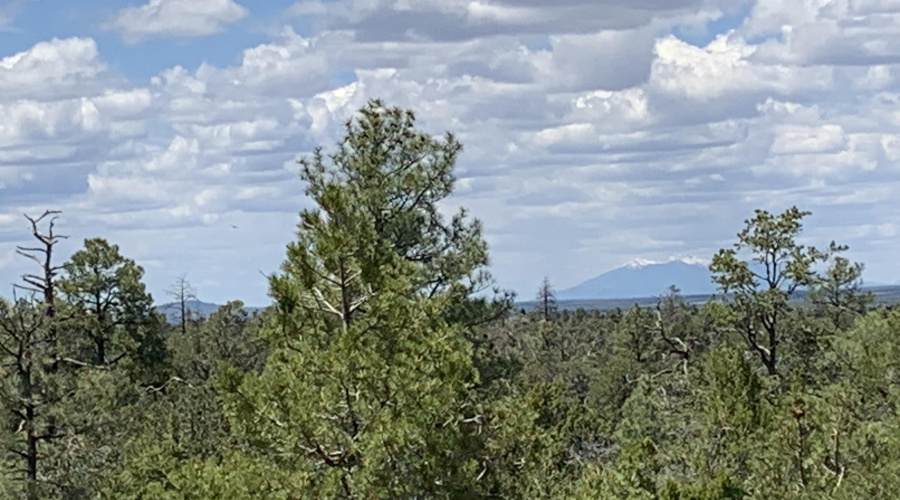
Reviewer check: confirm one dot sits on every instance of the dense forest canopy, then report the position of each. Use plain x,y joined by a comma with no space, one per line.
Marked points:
390,365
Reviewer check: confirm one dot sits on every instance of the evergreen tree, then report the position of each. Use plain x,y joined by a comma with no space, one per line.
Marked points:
112,313
365,390
762,287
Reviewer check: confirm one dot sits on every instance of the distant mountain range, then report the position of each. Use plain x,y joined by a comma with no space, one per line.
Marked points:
172,310
642,279
645,279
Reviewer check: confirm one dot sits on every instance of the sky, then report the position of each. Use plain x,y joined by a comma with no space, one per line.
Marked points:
596,132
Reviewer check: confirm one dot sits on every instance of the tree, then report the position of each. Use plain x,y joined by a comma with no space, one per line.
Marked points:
184,420
546,300
113,314
762,286
635,335
397,175
29,359
838,293
23,340
683,328
44,283
182,292
230,336
365,391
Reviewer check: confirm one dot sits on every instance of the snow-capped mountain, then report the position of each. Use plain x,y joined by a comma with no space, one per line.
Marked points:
645,278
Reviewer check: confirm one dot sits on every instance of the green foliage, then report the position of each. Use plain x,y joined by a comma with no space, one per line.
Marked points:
229,337
371,405
761,286
395,176
722,488
111,312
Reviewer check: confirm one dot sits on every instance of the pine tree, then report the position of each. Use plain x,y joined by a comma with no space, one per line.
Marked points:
762,286
365,391
111,313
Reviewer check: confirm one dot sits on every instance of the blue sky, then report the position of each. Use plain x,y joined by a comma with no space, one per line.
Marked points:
596,131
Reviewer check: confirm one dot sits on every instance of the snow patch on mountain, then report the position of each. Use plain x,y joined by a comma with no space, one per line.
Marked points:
688,259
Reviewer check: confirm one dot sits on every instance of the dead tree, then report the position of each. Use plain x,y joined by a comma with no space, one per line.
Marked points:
546,301
28,342
44,283
182,292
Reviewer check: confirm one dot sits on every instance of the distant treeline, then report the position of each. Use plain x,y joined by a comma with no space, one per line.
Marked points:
883,295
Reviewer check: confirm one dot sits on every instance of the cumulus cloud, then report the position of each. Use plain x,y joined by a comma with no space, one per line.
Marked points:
53,68
832,32
593,134
176,18
725,68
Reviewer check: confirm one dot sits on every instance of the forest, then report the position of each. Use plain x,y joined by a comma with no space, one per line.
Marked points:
391,365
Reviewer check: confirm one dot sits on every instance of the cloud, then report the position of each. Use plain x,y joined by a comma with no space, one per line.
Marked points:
593,134
448,20
609,60
176,18
843,33
725,67
54,68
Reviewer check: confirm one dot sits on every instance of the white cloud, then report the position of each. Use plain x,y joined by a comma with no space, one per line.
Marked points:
608,60
792,139
124,103
431,20
53,68
176,18
25,121
835,32
724,68
589,139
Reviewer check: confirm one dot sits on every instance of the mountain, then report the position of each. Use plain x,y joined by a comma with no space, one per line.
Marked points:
645,279
200,308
